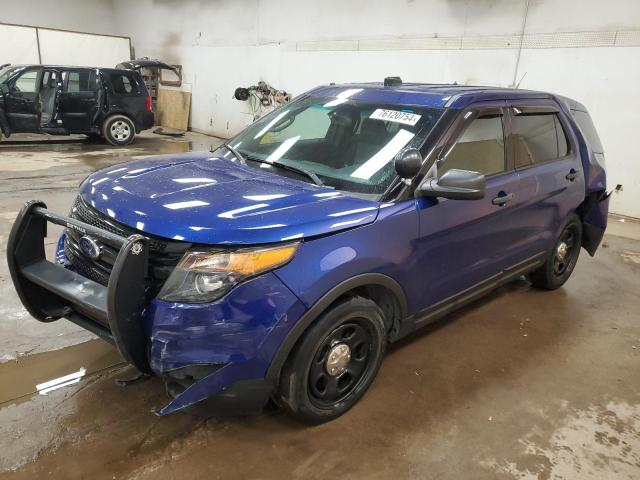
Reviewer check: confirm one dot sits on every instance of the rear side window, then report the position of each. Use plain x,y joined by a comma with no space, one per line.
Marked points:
538,138
80,81
123,83
480,148
583,119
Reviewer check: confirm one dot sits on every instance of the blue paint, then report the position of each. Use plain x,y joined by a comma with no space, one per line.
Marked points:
221,203
433,248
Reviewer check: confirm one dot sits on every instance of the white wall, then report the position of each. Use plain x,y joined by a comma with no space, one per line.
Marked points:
19,44
92,16
296,45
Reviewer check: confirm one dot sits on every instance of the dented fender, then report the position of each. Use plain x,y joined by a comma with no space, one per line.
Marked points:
236,337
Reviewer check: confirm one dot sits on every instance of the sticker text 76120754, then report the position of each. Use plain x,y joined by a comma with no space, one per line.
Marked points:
406,118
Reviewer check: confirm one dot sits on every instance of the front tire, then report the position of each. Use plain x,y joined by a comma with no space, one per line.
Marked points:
562,259
335,363
118,130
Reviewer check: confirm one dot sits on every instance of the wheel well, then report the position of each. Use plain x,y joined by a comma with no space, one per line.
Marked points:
389,298
383,297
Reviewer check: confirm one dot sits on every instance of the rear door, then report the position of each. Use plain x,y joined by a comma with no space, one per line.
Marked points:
22,102
548,163
79,100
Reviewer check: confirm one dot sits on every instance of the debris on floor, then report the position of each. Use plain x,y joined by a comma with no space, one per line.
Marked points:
170,132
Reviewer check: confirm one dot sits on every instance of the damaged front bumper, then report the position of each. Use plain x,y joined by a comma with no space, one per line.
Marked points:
215,354
219,353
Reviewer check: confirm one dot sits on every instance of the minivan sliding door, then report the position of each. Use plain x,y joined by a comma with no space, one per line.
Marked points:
79,100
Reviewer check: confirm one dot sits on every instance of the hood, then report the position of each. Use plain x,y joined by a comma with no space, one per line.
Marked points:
199,198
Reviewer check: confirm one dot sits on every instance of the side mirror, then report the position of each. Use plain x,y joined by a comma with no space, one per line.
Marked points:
455,184
408,163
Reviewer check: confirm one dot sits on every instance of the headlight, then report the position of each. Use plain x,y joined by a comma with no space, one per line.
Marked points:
202,277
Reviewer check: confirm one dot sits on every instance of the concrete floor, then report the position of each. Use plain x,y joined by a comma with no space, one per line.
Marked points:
522,384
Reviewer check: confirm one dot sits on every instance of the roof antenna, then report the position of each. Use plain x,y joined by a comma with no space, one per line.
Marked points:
518,84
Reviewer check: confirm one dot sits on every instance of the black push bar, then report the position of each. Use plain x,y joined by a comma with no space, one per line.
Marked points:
50,291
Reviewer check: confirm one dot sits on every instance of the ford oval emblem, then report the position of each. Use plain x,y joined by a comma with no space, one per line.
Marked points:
89,247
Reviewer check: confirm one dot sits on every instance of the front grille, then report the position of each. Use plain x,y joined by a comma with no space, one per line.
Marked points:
88,214
163,254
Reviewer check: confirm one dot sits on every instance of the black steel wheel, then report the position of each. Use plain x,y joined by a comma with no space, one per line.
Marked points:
565,250
340,363
562,259
335,362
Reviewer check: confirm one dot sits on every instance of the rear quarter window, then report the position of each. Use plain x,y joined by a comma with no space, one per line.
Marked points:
583,119
123,83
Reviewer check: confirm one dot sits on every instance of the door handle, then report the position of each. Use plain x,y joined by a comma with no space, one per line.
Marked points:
503,198
572,175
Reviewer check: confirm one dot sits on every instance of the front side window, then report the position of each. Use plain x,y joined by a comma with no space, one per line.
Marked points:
348,144
538,138
26,83
479,149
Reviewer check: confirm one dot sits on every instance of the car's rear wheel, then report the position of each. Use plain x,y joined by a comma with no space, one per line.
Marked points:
118,130
335,362
562,259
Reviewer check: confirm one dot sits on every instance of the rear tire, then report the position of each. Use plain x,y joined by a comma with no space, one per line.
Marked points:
118,130
335,362
562,259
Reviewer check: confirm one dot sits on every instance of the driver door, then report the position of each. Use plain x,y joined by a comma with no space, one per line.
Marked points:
22,102
464,243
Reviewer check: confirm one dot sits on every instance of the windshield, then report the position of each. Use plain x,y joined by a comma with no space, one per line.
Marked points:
349,145
5,72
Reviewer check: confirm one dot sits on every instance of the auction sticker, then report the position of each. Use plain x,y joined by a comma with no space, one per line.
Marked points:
396,116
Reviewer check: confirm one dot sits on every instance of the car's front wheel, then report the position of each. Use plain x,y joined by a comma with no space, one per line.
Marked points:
562,259
335,363
118,130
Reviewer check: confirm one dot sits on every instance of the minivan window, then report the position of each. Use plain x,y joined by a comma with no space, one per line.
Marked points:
122,83
80,81
479,149
26,83
583,119
538,138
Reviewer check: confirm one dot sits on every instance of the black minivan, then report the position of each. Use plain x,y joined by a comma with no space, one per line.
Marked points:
112,103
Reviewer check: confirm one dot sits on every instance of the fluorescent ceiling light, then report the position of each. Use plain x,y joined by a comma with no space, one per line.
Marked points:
188,204
282,149
384,155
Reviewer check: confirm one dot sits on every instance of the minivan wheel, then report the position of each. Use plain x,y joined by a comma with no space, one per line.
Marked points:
335,362
562,259
118,130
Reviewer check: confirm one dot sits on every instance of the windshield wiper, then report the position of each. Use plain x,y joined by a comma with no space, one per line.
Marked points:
298,170
235,153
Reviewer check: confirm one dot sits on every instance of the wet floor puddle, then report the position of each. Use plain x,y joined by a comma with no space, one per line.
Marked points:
45,372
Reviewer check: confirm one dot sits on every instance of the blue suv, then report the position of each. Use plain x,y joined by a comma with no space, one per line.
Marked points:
280,265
